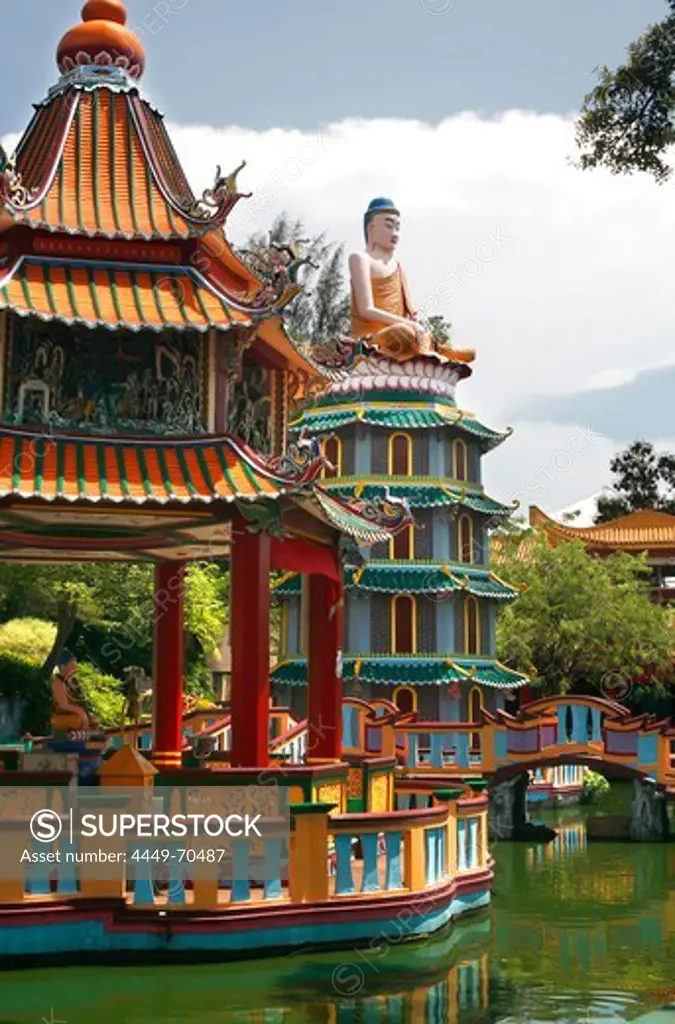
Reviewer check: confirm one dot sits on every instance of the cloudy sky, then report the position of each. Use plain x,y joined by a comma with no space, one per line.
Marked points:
462,111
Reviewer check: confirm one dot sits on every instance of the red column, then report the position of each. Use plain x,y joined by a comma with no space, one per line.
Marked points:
250,640
324,688
169,651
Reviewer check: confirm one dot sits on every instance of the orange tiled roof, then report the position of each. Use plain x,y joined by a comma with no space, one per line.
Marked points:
117,295
100,162
86,470
82,467
638,531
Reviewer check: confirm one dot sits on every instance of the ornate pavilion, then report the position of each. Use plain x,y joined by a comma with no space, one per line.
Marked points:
146,380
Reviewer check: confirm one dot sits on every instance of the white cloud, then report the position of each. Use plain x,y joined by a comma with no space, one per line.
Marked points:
549,465
580,290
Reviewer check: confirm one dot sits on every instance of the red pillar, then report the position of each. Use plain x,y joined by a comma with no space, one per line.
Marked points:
250,641
169,651
324,688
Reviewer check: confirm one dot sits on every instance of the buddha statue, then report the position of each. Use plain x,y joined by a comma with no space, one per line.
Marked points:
382,311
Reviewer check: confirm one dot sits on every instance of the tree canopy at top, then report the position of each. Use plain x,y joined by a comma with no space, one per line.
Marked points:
643,478
627,122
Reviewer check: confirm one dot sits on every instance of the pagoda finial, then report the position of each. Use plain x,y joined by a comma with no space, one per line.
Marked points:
102,39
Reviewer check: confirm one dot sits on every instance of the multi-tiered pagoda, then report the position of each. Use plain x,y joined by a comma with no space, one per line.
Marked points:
420,612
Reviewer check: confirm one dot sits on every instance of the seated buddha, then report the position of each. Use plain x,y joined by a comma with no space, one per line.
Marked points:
68,715
382,311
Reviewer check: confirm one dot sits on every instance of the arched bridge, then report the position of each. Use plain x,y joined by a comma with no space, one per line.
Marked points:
552,730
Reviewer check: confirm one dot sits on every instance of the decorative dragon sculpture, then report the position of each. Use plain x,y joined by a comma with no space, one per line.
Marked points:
12,189
217,201
303,459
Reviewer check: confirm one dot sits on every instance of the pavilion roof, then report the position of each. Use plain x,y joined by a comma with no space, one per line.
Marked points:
97,160
139,471
117,295
65,495
644,530
99,224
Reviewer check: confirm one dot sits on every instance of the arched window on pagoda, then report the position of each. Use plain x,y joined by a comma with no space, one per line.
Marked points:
475,715
404,624
405,699
471,626
400,455
465,539
401,545
332,450
460,460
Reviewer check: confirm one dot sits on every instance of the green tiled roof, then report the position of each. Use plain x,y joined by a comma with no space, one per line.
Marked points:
424,493
325,420
414,578
419,671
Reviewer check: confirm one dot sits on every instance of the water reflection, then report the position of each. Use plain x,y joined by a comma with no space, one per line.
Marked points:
578,934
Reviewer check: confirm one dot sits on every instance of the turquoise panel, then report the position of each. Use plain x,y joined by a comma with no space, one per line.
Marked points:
463,749
647,749
393,877
461,845
362,454
501,744
358,615
437,745
293,628
445,630
369,841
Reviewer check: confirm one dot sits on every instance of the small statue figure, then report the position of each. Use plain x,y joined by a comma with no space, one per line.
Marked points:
381,307
68,714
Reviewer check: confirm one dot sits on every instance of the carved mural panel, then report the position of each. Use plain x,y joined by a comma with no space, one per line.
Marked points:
102,381
249,406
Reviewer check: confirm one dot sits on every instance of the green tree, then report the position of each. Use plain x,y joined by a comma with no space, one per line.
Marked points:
322,311
583,623
115,602
626,122
643,478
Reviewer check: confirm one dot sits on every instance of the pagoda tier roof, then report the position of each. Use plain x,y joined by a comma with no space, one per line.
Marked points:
413,670
431,578
644,530
96,160
65,496
425,492
404,415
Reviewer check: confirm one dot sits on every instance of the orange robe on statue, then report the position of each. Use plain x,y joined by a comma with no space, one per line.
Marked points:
397,341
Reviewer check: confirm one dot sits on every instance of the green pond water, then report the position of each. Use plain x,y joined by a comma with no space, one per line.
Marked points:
576,933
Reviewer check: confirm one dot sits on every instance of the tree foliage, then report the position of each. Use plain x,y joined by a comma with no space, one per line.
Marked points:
626,122
582,623
322,311
643,478
108,610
